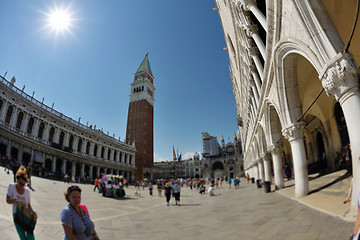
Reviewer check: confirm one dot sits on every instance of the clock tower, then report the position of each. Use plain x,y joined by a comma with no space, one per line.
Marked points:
140,122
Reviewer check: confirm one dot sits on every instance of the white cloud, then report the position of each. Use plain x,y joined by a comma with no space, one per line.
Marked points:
187,155
157,158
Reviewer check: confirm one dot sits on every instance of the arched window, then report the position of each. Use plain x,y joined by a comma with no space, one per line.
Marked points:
1,104
41,130
19,120
8,114
30,125
109,154
71,141
61,141
114,155
95,150
51,135
102,152
120,157
79,145
87,148
125,158
130,158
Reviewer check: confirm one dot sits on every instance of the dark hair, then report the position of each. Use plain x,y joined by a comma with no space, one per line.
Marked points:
71,189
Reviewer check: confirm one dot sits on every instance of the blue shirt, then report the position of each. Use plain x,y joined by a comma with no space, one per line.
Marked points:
176,189
72,219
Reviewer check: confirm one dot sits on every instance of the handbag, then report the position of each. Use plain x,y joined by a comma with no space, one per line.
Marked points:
25,218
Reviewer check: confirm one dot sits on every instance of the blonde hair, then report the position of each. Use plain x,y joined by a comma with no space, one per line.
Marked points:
21,173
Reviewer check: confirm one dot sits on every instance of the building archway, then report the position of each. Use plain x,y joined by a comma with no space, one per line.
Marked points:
26,157
218,170
77,170
69,168
14,153
58,168
94,172
48,164
87,171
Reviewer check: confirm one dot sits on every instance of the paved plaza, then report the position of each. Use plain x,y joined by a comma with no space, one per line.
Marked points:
247,213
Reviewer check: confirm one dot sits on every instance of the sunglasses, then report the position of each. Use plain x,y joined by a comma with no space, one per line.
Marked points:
21,184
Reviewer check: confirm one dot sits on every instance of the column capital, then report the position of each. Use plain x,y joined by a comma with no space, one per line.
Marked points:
294,132
340,77
251,30
274,149
246,4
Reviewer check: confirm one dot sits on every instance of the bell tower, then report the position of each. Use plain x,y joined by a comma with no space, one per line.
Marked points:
140,122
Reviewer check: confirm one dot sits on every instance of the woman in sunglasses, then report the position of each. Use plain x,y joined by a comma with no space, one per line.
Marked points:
75,217
17,193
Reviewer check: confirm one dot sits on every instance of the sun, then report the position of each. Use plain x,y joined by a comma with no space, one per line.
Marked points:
60,20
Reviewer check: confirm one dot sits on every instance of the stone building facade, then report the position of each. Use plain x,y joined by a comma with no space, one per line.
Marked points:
32,132
140,123
226,161
296,85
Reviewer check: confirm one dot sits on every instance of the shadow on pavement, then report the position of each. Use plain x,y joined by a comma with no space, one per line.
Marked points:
346,175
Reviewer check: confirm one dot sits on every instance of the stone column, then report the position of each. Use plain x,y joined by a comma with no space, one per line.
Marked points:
117,159
295,135
127,158
57,135
73,168
277,165
267,168
8,149
261,170
46,132
24,122
53,166
75,144
250,5
82,172
13,117
91,149
252,31
64,167
3,110
256,171
340,79
98,171
123,157
98,154
19,156
32,157
83,146
91,171
35,129
66,139
106,151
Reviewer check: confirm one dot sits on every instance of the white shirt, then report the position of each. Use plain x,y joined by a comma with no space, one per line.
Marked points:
211,190
24,198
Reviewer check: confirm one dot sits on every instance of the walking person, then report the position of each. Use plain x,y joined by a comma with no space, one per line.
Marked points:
96,183
159,187
75,217
176,193
167,193
229,182
29,173
150,188
19,196
235,183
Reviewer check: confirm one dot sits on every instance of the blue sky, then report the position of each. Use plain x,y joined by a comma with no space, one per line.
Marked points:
87,70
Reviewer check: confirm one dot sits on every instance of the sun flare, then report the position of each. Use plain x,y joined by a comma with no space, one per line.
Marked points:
59,20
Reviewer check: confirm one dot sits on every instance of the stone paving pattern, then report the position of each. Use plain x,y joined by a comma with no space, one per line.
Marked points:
246,213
